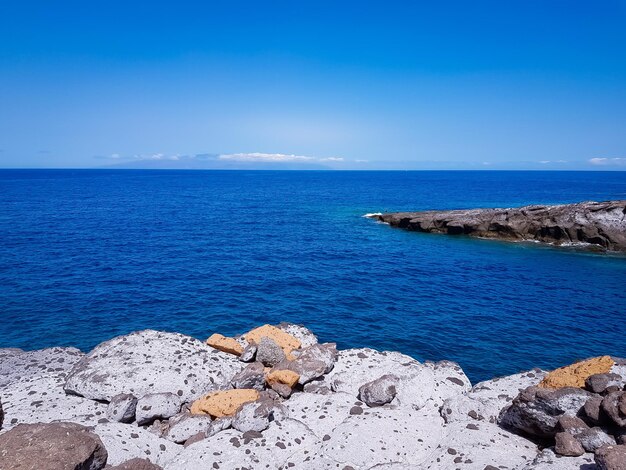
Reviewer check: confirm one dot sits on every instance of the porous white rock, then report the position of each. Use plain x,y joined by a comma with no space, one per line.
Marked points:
418,384
301,333
183,426
385,435
41,399
474,446
257,415
16,364
231,449
124,442
548,460
151,362
122,408
486,399
156,406
322,413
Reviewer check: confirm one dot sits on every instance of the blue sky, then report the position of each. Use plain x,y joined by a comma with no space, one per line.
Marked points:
406,85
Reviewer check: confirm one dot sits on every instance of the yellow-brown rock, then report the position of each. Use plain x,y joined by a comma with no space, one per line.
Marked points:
224,402
228,345
575,374
283,376
286,341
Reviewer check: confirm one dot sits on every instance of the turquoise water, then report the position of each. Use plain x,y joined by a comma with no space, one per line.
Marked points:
89,254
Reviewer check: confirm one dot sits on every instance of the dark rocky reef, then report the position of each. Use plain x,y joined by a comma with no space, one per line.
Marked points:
595,225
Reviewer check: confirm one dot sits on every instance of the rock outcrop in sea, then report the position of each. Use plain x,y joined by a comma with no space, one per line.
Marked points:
276,398
597,225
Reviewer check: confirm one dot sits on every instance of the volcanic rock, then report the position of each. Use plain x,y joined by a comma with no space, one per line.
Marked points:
279,336
611,457
224,402
380,391
606,382
567,445
136,464
256,416
251,376
151,362
575,375
222,343
122,408
301,333
594,438
156,406
614,405
232,449
41,399
249,353
184,426
16,364
598,224
125,442
268,352
536,411
311,362
486,399
58,446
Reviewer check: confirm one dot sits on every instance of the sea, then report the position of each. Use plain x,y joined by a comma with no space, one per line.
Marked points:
86,255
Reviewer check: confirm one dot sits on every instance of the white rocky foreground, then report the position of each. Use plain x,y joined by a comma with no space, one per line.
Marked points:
276,399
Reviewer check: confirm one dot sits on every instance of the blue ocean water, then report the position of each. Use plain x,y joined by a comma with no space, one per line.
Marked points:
89,254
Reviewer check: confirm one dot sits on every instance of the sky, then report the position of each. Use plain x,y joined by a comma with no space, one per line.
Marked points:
343,85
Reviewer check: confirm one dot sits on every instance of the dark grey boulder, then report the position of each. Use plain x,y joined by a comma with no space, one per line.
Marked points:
592,411
156,406
611,457
380,391
268,352
53,446
536,411
594,438
251,376
614,405
122,408
311,362
599,383
257,415
565,444
1,414
571,425
249,353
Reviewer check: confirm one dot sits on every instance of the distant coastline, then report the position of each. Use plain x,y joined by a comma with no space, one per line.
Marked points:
599,226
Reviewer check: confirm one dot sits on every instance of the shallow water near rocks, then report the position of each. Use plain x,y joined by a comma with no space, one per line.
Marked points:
90,254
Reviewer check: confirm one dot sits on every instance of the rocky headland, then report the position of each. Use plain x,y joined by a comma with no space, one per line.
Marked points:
594,225
276,398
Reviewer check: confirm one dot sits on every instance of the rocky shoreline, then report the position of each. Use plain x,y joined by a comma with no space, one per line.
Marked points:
593,225
276,398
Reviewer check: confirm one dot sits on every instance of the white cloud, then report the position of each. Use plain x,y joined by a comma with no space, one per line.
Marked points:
157,156
608,161
264,157
361,161
544,162
275,157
